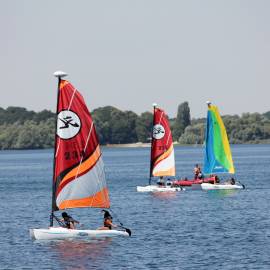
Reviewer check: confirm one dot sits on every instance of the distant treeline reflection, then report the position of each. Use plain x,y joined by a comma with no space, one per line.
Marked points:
23,129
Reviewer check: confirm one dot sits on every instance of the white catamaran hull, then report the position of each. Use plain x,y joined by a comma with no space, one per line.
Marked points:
154,188
55,233
207,186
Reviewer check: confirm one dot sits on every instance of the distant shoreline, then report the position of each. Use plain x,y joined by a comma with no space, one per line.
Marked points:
141,145
144,145
130,145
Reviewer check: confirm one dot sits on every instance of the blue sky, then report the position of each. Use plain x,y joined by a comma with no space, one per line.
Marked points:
130,54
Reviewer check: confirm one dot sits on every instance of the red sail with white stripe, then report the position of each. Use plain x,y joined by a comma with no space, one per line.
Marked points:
162,152
79,179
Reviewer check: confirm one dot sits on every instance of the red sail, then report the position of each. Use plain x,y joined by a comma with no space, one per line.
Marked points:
79,179
162,152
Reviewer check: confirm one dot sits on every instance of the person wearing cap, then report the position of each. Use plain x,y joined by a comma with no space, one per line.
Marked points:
107,221
69,221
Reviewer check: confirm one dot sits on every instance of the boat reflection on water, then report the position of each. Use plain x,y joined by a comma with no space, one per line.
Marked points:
222,192
80,254
165,195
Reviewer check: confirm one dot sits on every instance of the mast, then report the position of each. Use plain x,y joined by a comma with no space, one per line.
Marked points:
150,174
59,75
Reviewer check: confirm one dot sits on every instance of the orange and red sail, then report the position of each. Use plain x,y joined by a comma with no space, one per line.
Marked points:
79,179
162,152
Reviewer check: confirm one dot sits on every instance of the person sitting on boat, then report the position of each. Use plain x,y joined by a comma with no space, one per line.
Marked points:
69,221
107,221
169,182
216,179
197,172
161,181
232,181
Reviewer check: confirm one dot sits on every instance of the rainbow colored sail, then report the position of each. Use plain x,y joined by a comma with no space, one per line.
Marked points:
217,156
79,179
162,152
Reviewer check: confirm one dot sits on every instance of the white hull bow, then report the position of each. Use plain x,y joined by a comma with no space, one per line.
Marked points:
56,233
207,186
155,188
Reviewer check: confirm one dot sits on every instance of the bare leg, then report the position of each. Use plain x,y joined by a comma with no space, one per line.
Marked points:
103,228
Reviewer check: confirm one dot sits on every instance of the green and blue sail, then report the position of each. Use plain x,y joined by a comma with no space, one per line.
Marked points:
217,156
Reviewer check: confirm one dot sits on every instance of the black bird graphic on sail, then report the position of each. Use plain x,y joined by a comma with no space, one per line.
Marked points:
68,121
157,130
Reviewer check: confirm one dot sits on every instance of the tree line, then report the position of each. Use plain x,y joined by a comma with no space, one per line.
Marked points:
23,129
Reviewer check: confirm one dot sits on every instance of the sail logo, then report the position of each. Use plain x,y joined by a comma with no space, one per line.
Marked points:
158,132
68,124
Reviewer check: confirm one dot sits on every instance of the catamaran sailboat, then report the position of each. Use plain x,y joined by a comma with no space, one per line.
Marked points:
217,157
78,175
162,155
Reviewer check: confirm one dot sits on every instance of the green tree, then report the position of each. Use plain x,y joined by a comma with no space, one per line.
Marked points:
115,126
15,114
22,129
43,116
182,120
123,127
193,134
8,135
267,115
144,126
103,121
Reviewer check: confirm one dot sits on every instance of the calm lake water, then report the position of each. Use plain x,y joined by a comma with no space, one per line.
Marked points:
186,230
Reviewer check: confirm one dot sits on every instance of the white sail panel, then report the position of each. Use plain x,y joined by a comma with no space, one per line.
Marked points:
166,166
86,190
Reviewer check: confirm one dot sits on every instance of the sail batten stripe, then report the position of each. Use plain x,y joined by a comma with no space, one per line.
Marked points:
58,145
72,98
160,118
168,138
89,133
